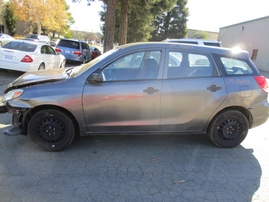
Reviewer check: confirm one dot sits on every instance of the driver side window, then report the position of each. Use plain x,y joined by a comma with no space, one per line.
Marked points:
135,66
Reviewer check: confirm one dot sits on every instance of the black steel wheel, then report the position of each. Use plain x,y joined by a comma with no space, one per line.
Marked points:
52,130
228,129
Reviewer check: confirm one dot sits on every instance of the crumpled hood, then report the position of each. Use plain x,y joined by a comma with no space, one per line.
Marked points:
37,77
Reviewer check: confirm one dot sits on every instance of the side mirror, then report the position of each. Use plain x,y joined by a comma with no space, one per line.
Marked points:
95,78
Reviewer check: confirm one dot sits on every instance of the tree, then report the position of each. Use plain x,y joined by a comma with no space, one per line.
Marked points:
109,24
123,21
1,6
51,14
10,19
65,29
171,24
140,14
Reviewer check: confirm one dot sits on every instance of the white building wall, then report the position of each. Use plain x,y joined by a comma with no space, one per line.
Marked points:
248,36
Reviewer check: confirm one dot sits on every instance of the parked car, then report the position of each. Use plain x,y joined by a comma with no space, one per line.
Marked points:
203,42
5,38
142,88
74,50
38,38
54,42
27,56
95,52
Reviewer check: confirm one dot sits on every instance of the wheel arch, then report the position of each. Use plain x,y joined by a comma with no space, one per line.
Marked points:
237,108
42,63
42,107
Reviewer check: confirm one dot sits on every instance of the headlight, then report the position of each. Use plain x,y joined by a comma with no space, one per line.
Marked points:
12,94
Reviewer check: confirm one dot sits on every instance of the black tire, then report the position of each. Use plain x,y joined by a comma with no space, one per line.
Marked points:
41,66
63,64
83,61
228,129
52,130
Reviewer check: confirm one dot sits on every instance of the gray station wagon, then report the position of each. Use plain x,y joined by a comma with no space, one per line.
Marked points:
142,88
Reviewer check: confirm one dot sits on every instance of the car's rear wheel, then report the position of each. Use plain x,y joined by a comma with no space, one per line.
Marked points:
52,130
228,129
83,61
41,66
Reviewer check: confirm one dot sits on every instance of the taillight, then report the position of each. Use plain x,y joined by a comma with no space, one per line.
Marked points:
261,81
58,50
27,58
77,52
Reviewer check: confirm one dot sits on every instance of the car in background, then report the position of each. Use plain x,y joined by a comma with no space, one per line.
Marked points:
38,38
54,42
24,56
5,38
74,50
136,89
203,42
95,52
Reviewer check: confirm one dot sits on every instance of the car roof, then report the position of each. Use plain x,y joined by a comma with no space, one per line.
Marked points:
183,46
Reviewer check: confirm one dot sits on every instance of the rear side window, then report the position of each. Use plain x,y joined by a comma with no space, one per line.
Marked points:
185,64
235,66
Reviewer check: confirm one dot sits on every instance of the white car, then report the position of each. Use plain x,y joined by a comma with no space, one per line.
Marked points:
5,38
24,56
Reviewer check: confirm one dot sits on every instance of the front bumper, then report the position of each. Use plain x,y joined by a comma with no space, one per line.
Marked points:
3,108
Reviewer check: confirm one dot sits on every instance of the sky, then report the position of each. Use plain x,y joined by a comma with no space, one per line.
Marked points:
207,15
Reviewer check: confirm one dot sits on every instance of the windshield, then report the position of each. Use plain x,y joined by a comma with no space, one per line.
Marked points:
83,68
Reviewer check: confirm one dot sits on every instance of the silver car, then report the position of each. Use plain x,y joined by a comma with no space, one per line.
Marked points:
142,88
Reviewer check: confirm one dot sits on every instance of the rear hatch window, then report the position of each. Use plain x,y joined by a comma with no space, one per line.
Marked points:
69,44
21,46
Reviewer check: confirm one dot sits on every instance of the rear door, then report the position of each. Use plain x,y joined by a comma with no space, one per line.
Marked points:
125,101
46,57
54,57
192,91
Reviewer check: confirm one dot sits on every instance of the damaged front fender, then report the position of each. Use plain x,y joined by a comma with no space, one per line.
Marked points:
3,108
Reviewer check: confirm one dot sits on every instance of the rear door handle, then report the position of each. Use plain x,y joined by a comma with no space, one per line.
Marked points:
151,90
213,88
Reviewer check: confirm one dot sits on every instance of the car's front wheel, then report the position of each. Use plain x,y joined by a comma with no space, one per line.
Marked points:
228,129
51,129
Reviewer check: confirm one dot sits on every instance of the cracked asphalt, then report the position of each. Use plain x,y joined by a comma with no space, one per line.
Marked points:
133,168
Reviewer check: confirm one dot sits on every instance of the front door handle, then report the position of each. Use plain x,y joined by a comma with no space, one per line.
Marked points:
150,90
213,88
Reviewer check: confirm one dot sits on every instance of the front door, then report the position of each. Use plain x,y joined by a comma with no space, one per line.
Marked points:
129,96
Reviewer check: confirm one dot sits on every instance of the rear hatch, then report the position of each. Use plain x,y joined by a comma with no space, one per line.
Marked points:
70,49
16,52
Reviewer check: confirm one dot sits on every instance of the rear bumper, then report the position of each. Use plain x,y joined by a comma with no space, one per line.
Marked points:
260,114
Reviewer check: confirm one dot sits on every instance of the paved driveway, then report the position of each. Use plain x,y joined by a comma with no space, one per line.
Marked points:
134,168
